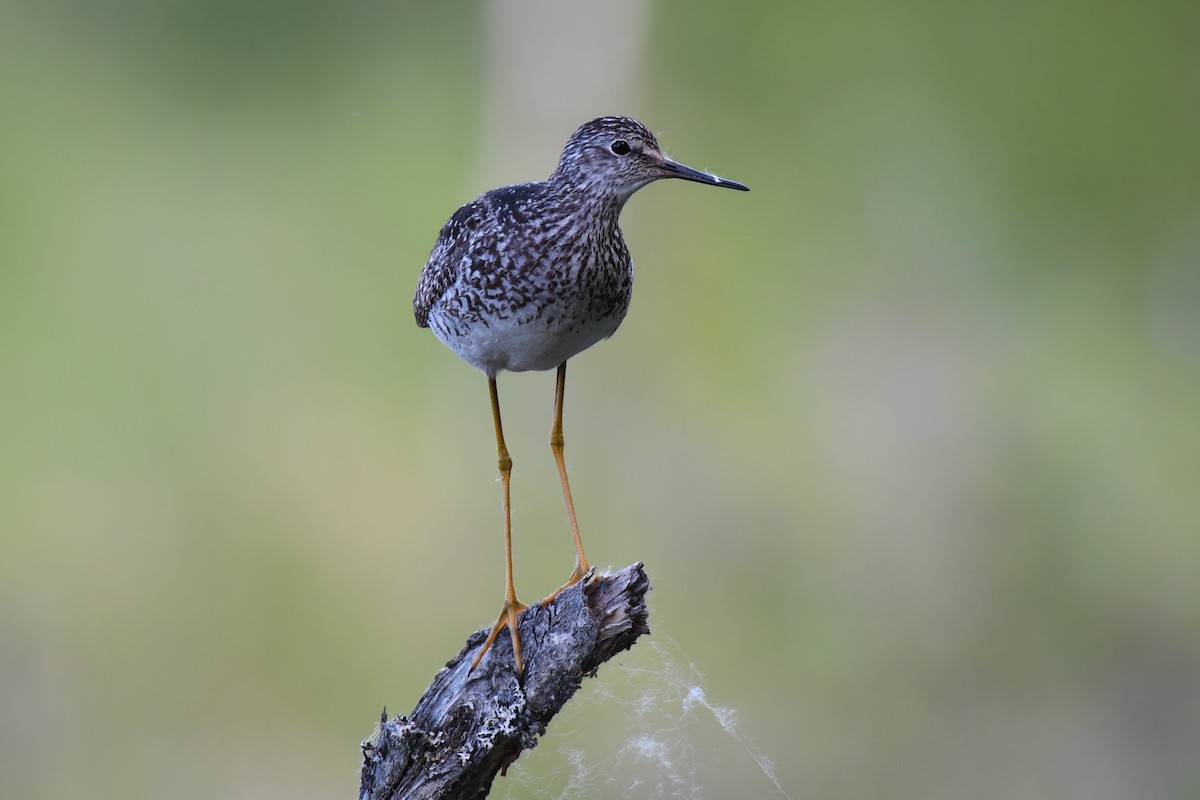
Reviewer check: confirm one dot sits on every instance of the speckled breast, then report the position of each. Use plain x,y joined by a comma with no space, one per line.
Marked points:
528,314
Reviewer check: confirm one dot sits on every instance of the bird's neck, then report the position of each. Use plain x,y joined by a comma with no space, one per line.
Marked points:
592,202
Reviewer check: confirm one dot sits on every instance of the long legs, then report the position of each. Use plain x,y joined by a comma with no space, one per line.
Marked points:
556,446
512,607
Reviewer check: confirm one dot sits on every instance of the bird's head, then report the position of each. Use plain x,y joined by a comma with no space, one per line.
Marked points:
616,156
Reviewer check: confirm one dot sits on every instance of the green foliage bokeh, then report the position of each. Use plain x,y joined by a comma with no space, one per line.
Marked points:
909,436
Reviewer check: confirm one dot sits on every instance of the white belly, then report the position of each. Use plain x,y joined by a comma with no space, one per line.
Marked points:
513,346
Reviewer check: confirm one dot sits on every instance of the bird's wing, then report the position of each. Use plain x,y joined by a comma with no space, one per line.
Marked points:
447,259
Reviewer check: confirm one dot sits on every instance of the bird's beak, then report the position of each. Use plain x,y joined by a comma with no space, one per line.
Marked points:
672,169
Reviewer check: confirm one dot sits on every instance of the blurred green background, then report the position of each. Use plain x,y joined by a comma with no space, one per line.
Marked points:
908,437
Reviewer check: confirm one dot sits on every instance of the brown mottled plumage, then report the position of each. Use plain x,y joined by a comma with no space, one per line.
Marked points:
526,276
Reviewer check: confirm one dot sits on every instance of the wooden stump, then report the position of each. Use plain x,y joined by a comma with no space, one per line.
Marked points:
470,725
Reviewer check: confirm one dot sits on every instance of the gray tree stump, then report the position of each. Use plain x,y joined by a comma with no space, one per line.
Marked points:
470,725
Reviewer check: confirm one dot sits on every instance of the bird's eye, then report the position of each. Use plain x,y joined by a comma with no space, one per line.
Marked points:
620,147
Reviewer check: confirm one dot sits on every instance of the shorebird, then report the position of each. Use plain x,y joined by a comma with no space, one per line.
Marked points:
527,276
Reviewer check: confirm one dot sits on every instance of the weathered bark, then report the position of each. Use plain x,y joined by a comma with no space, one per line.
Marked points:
470,725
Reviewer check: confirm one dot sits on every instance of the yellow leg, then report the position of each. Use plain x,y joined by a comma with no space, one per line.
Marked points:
512,607
556,446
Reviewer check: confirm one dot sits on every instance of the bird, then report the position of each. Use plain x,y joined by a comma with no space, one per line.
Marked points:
527,276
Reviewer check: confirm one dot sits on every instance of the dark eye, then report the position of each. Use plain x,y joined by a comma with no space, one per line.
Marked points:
620,147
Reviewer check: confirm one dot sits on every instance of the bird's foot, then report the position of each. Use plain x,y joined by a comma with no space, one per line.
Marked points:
580,572
508,619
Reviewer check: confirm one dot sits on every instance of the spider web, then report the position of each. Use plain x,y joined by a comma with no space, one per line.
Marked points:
645,729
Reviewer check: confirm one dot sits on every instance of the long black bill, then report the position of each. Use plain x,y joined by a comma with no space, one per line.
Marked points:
672,169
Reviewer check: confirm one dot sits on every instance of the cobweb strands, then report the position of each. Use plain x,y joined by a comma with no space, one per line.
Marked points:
672,740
